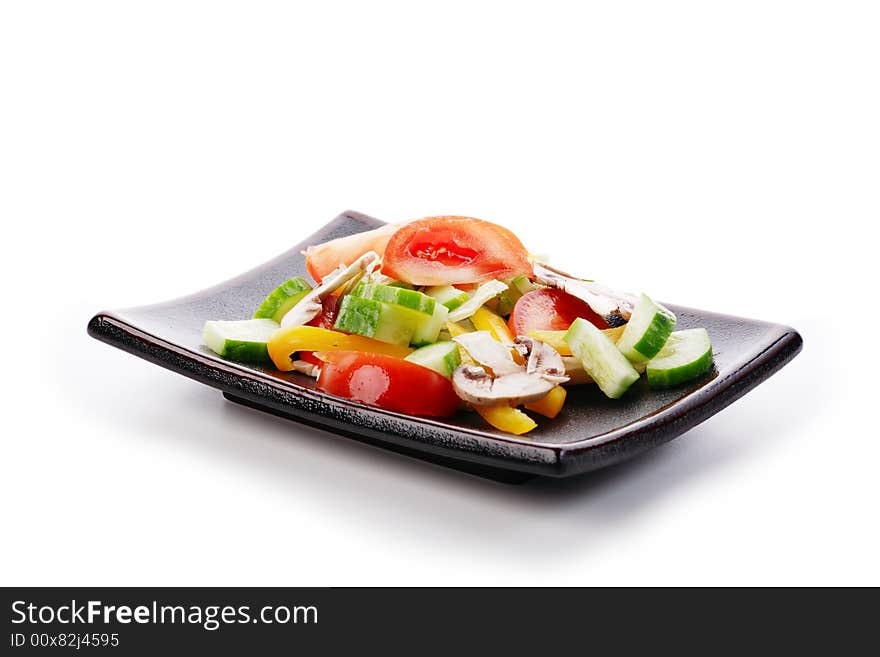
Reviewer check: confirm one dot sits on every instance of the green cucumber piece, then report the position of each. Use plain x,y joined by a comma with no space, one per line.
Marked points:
449,296
382,321
442,357
601,358
243,340
429,331
647,330
397,295
516,287
282,299
686,355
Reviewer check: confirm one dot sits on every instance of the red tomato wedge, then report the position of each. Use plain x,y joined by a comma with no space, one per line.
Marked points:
330,307
325,321
550,310
387,382
324,258
454,250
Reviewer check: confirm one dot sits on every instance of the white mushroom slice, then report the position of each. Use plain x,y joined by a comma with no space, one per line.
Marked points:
512,384
488,352
477,386
615,307
310,307
543,359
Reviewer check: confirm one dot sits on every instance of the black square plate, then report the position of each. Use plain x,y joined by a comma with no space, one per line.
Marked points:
590,433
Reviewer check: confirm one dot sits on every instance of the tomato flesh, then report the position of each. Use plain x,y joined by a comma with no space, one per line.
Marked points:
454,250
441,248
326,320
387,382
550,310
329,309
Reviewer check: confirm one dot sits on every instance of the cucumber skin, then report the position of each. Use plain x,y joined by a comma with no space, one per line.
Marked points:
254,352
280,300
447,295
679,375
669,377
382,321
657,335
395,295
428,357
360,318
516,288
428,332
654,337
455,303
579,337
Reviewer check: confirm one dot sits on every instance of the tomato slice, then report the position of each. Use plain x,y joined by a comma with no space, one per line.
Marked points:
454,250
550,310
387,382
321,259
325,320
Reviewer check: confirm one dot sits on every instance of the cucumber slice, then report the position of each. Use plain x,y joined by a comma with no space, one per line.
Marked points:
282,298
429,331
442,357
449,296
601,358
686,355
647,330
382,321
243,340
397,295
516,287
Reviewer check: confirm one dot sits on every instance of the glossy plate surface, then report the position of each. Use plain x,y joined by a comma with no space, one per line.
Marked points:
590,433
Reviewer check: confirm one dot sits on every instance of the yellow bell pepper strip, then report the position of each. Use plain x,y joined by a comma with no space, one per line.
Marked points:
286,341
614,333
455,329
485,320
551,404
506,418
555,338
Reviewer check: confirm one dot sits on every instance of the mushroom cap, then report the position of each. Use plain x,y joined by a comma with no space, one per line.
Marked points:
475,385
508,382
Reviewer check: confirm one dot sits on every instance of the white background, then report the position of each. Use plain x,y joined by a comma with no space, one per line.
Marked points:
718,155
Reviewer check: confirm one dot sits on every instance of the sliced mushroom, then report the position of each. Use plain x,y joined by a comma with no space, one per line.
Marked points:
310,306
475,385
543,359
615,307
488,352
508,382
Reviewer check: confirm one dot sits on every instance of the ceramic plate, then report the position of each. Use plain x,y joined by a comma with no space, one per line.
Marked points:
590,433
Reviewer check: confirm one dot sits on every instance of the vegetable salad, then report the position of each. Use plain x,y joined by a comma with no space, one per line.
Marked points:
448,313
